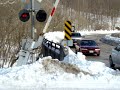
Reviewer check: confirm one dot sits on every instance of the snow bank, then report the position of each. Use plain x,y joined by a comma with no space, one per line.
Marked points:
55,36
92,67
74,72
115,39
87,32
110,40
58,36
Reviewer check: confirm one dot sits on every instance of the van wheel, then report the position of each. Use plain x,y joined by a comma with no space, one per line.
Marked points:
75,51
111,62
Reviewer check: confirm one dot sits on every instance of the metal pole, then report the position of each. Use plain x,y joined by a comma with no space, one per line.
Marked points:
32,20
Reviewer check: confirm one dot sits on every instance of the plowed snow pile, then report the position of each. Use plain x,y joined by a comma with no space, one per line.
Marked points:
48,74
73,72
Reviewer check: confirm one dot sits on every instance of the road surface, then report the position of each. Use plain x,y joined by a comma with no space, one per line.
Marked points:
105,50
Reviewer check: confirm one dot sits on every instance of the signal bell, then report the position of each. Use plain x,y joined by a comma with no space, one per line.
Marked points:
24,15
41,16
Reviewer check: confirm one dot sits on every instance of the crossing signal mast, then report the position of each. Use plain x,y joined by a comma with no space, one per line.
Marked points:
25,14
29,44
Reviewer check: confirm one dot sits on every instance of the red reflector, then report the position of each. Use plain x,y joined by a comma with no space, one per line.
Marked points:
53,11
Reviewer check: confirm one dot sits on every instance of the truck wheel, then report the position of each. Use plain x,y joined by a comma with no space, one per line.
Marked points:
111,62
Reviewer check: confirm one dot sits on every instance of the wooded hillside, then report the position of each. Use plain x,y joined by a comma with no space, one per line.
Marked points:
84,14
93,14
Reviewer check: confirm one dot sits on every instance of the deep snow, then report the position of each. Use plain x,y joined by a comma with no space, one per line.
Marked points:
49,75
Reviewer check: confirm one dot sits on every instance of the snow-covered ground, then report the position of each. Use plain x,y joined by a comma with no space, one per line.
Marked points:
74,72
86,32
58,36
110,38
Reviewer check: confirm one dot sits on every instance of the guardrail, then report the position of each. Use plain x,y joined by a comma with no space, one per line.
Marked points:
55,50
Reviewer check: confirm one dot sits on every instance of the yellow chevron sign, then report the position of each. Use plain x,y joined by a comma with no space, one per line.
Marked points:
68,30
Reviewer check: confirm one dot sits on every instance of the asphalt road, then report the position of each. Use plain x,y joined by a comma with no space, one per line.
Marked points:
105,50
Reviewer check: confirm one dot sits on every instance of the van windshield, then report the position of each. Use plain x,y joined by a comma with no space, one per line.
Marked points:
76,35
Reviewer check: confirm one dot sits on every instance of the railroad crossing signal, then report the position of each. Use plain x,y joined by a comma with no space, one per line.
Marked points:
31,11
24,15
68,30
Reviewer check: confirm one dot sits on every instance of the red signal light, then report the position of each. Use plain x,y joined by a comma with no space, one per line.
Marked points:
24,15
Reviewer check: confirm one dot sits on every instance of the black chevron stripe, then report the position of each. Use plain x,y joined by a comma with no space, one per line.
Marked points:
67,33
66,38
69,22
68,27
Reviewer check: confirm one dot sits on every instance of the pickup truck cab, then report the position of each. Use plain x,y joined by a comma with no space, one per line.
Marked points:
76,36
